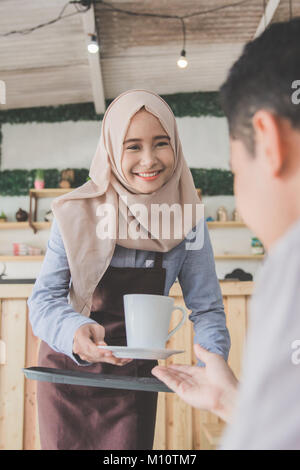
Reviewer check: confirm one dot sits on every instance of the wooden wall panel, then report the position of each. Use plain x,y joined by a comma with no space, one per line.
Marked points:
180,433
31,434
13,333
236,323
173,415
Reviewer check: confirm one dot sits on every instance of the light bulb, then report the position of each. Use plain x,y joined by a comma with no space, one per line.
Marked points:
182,61
93,46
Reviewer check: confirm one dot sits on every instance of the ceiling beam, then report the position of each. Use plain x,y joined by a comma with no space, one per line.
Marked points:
88,19
267,16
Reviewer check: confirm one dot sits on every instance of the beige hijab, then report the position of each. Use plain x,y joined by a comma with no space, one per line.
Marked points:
77,212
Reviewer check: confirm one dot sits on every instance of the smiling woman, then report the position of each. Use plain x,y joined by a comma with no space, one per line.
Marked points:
148,158
138,162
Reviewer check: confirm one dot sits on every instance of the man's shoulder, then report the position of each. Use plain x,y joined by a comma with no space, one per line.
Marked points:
277,287
285,255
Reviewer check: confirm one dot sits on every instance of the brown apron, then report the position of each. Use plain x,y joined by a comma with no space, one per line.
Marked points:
91,418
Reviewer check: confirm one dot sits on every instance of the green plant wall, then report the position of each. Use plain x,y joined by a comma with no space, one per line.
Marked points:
18,182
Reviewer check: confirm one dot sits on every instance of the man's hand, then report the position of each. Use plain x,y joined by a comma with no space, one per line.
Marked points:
86,339
212,388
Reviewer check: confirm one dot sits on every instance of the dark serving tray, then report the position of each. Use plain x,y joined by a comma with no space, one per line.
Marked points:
47,374
17,281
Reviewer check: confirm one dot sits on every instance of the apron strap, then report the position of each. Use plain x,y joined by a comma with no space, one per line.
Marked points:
158,259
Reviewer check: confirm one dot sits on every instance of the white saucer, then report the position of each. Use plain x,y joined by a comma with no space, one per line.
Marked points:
141,353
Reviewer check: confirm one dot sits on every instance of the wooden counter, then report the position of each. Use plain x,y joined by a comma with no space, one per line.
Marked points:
18,349
178,425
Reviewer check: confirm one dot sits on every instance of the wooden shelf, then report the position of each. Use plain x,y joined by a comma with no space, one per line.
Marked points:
35,194
21,258
217,257
32,223
24,225
47,225
239,256
49,192
227,224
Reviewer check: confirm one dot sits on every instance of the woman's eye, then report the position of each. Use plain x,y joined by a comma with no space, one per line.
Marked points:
162,143
133,147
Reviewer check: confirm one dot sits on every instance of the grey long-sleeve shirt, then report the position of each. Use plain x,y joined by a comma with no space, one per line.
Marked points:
54,320
267,415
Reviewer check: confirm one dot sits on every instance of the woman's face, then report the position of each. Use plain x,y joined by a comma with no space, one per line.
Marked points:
148,158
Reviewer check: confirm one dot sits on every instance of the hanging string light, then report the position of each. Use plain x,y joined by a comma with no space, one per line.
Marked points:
93,46
182,61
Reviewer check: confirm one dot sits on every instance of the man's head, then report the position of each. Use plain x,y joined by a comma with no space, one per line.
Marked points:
264,126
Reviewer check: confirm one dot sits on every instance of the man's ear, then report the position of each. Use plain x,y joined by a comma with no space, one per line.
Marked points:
269,140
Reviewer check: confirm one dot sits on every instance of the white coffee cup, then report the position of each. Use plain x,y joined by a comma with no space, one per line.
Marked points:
147,320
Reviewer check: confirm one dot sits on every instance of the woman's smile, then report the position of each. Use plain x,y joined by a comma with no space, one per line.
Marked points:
148,175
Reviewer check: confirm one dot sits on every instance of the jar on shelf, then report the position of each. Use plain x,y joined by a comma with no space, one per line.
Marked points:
222,215
39,182
20,249
3,217
21,215
257,247
236,216
34,251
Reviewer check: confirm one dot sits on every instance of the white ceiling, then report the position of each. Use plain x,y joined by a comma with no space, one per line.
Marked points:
51,65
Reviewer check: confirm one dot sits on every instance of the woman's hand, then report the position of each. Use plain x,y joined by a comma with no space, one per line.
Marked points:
212,388
85,342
